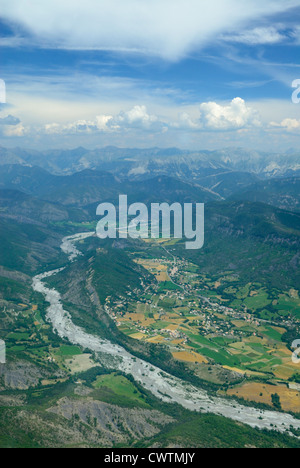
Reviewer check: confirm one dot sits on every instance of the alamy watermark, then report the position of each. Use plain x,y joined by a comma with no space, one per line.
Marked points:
296,353
296,93
162,220
2,352
2,92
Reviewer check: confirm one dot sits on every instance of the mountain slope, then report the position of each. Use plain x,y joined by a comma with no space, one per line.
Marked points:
165,189
256,242
90,187
27,247
282,193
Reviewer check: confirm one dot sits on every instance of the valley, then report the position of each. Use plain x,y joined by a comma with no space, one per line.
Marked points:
187,341
204,320
150,227
161,384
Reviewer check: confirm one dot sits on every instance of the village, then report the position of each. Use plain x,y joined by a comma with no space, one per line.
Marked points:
180,311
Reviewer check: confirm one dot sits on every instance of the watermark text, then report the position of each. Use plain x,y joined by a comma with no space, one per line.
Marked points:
296,93
296,353
136,221
2,92
2,352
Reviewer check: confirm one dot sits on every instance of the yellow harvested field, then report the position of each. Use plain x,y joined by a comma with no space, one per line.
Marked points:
179,321
138,336
137,318
156,339
261,393
54,381
284,351
235,369
234,351
243,372
156,241
162,277
172,327
287,370
157,269
177,342
192,319
189,357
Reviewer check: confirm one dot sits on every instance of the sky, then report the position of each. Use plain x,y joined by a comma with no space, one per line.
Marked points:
195,74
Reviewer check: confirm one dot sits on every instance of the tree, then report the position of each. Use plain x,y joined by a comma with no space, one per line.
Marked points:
276,401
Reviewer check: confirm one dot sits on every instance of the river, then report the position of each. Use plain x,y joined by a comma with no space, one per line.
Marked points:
161,384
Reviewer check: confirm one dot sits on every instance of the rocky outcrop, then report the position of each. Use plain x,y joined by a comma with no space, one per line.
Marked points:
113,424
21,375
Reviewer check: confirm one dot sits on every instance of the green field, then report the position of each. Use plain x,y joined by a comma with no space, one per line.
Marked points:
123,390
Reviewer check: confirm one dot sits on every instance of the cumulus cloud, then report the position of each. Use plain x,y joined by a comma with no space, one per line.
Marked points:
166,28
136,118
234,116
216,117
289,125
187,122
212,117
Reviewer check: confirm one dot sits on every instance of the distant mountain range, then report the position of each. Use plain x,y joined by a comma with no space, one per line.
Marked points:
88,187
83,177
140,163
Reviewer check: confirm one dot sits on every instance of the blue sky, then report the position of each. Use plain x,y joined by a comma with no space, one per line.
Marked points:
139,73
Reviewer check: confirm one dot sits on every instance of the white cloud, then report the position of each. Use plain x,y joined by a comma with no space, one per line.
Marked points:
216,117
11,126
187,122
14,131
256,36
102,122
295,34
166,28
234,116
213,117
289,125
136,118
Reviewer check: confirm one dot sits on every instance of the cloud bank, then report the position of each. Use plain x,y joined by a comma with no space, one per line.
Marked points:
289,125
212,117
136,118
166,28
